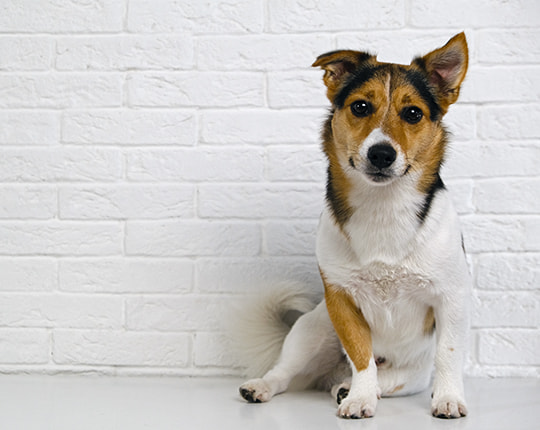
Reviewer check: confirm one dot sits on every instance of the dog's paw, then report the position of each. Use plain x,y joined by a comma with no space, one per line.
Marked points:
448,407
256,391
358,407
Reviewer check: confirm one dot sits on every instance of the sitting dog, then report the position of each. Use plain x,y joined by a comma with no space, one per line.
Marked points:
389,247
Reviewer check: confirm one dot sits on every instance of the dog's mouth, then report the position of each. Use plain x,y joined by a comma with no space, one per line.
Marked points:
378,175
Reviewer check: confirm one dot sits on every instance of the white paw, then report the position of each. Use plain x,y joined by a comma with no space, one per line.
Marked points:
256,391
357,407
448,407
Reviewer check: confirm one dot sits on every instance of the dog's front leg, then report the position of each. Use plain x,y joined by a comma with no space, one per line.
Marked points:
355,336
451,325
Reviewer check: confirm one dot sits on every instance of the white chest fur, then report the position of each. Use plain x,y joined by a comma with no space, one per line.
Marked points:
383,227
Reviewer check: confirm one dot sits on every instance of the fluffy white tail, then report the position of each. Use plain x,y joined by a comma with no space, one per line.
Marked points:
260,326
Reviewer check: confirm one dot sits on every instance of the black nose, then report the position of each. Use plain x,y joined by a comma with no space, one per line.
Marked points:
381,155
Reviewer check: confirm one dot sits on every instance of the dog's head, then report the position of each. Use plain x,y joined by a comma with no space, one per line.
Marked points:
386,118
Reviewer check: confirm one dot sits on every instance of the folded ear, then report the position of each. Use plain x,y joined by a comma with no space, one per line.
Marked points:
446,68
338,66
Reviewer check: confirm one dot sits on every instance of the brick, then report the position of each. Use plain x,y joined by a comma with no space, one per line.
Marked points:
27,16
125,52
502,122
461,122
508,196
395,46
510,347
291,238
483,85
45,129
461,192
502,233
516,310
28,202
508,271
531,226
28,274
125,275
119,348
214,350
59,238
21,346
60,164
296,163
192,238
53,310
189,89
126,201
25,53
488,159
160,161
480,14
508,46
129,127
223,16
254,276
339,15
207,164
256,201
176,313
268,52
61,91
296,89
261,127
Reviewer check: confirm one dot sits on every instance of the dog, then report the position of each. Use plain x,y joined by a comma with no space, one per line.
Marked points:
389,247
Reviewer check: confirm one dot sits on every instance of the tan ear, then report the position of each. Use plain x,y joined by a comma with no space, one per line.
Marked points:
338,66
446,68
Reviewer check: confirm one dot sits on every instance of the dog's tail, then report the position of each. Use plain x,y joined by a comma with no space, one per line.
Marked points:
259,328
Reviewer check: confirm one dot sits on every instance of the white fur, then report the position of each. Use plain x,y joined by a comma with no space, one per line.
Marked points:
395,269
260,332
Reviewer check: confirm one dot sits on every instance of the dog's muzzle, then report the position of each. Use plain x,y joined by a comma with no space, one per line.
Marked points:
381,157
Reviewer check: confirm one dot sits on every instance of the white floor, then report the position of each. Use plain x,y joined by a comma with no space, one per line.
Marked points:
121,403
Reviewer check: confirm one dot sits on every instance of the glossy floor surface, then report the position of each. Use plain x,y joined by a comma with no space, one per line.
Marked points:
121,403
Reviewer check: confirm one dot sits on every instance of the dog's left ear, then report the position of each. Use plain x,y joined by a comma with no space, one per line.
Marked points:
446,68
338,66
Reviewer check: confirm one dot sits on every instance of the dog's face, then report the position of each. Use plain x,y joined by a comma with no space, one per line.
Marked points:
386,118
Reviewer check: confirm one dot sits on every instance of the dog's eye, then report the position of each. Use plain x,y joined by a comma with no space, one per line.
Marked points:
361,108
412,114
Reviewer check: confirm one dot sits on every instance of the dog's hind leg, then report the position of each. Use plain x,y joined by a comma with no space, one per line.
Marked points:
311,348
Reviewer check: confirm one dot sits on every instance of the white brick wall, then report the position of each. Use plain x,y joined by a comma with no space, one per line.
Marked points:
160,159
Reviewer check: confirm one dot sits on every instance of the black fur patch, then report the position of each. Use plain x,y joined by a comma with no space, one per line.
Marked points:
358,78
360,56
436,186
421,84
336,201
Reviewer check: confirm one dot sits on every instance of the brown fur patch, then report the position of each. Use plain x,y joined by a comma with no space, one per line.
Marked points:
350,325
429,322
338,66
398,388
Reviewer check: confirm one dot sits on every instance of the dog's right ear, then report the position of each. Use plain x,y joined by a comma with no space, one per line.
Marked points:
338,66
